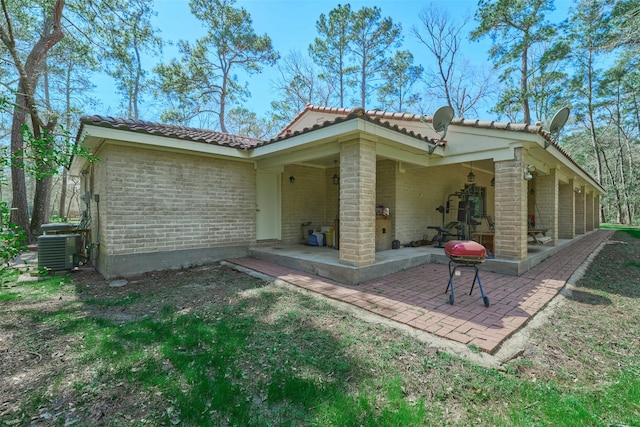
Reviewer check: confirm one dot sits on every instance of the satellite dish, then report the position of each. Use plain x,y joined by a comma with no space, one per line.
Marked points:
559,120
557,123
440,121
442,118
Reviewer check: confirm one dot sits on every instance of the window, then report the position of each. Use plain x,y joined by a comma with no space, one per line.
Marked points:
477,198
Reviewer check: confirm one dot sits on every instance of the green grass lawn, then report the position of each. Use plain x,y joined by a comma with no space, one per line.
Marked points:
215,347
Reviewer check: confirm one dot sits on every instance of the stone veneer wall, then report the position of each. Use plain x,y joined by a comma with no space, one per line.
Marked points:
386,193
164,209
97,185
304,201
332,192
546,201
566,211
386,183
581,214
357,202
511,202
589,212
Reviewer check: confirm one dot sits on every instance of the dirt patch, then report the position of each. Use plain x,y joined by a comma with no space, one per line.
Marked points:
35,356
592,332
143,296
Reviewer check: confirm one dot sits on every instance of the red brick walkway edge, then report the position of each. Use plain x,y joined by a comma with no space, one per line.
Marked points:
416,297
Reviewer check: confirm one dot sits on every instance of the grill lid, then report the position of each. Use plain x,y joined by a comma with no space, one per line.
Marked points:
465,251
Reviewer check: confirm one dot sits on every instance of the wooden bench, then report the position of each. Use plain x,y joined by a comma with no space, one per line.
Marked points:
538,237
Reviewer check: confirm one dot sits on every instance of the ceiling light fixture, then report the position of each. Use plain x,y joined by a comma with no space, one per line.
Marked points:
471,177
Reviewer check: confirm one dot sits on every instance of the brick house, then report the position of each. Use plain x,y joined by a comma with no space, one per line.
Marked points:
165,196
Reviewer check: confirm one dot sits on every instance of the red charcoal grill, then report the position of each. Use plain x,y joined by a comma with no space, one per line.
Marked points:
465,253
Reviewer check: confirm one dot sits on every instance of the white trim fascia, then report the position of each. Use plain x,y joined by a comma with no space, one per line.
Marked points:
402,155
314,137
496,155
299,155
534,140
343,131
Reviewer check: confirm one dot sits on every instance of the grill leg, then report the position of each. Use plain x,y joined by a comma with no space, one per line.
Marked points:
485,299
475,267
450,285
476,276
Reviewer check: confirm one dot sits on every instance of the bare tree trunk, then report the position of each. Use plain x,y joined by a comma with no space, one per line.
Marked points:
29,72
612,176
42,196
623,175
223,100
592,125
63,194
342,84
41,205
594,144
620,179
526,111
63,187
631,173
363,84
73,196
19,203
138,75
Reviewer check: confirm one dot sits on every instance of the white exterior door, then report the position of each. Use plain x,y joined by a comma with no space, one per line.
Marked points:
268,206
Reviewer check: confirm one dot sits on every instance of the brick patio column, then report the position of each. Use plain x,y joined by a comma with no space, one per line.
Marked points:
547,204
566,211
511,208
357,202
589,212
596,211
581,214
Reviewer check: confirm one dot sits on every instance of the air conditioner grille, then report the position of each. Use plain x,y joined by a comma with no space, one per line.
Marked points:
58,251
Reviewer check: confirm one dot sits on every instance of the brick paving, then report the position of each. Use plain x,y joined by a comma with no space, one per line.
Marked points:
416,296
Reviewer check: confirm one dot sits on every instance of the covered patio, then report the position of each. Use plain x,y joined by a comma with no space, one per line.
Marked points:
325,261
374,180
416,295
173,196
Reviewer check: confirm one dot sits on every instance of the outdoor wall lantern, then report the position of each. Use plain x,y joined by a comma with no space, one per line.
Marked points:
577,190
493,181
335,178
528,172
292,179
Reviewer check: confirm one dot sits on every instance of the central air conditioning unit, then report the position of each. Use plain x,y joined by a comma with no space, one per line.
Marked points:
58,228
59,251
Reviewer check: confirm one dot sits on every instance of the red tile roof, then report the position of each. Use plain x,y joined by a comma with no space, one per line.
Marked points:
174,131
342,114
377,116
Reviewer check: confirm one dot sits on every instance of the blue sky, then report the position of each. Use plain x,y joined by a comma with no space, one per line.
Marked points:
291,26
